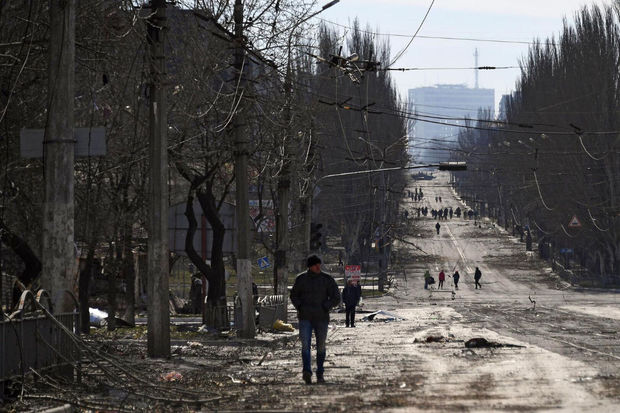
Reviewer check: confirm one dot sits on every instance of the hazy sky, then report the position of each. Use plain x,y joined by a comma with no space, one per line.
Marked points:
514,20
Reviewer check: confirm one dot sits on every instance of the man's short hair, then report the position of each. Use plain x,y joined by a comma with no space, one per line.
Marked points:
313,260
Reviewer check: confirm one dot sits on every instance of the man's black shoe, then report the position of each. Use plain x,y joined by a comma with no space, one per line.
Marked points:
320,379
307,377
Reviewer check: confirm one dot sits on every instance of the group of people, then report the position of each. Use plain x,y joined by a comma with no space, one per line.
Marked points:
429,280
416,195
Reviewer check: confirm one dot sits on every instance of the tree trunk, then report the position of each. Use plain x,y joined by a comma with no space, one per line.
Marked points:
215,313
32,264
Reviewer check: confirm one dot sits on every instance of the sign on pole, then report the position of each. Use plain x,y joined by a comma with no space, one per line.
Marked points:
263,263
88,142
574,222
353,272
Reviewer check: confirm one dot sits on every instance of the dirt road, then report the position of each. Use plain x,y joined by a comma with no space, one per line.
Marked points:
567,353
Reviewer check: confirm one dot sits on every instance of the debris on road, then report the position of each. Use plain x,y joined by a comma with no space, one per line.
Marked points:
382,316
172,376
279,325
481,342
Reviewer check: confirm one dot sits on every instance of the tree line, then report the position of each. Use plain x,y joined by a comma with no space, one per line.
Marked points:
552,164
301,120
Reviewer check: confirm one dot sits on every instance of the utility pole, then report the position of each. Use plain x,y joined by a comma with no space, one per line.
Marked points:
284,190
158,324
58,250
247,328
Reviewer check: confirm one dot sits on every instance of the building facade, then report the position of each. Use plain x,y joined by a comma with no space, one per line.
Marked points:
438,114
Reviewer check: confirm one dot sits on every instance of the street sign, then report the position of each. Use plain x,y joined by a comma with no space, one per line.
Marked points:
263,263
566,250
574,222
353,272
88,142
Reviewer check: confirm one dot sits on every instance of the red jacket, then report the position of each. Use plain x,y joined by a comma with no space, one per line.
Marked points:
442,276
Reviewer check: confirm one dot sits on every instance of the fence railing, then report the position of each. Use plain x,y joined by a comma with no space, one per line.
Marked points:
30,338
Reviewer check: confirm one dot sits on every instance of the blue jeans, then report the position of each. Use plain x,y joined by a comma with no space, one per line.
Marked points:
305,335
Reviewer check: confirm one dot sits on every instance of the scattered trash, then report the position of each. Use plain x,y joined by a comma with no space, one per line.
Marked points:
234,380
382,316
172,376
97,317
206,329
436,339
279,325
480,342
267,354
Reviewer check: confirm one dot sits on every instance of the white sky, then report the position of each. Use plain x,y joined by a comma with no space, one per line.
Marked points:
516,20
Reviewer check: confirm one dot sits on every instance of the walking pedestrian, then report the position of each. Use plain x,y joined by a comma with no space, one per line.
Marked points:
427,279
442,278
455,278
477,276
437,226
351,295
313,295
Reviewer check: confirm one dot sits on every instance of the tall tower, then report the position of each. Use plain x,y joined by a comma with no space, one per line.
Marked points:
476,66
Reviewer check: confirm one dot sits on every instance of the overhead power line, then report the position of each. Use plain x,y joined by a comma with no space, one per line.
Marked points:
453,38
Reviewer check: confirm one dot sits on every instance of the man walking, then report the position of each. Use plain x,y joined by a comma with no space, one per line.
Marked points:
455,278
442,278
313,295
351,295
437,226
477,276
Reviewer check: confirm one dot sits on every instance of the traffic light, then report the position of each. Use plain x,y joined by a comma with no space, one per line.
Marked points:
315,236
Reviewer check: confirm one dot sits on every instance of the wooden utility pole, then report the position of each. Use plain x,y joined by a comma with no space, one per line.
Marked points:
58,248
247,328
158,325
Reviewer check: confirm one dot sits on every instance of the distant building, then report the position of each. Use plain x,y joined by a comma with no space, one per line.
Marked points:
503,107
439,110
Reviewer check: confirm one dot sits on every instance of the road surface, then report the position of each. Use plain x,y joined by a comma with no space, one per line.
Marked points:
565,353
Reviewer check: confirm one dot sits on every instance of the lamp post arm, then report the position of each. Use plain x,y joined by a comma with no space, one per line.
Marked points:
443,166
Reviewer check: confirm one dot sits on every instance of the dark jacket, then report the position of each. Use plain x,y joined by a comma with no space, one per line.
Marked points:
351,295
477,275
313,295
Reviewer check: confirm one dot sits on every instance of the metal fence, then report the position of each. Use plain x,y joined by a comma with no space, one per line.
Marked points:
30,338
270,308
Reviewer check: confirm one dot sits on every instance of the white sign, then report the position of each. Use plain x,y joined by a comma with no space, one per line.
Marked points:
353,272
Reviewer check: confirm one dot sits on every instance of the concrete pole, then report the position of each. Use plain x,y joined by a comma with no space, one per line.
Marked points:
247,328
284,192
158,324
58,250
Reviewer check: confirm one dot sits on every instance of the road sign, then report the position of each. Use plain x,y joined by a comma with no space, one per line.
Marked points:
263,263
574,222
353,272
566,250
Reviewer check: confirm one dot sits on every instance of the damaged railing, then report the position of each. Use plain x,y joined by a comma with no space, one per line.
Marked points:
30,339
269,309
